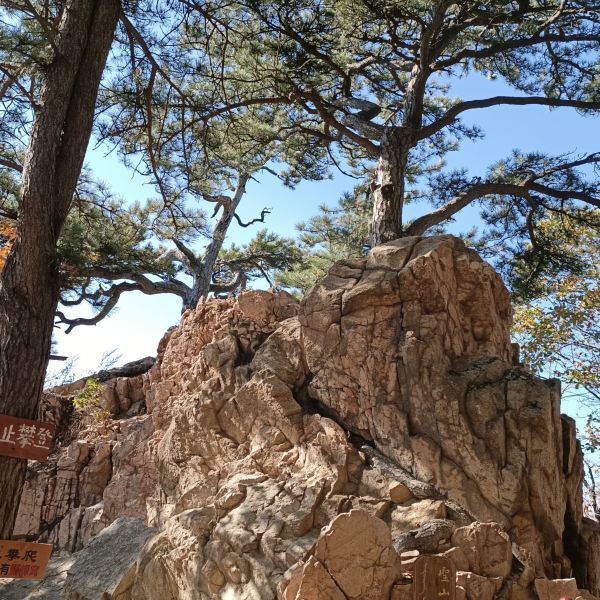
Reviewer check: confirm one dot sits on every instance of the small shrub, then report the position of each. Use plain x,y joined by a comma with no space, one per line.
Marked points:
88,400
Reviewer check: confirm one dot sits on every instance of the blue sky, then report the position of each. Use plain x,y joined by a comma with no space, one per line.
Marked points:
140,321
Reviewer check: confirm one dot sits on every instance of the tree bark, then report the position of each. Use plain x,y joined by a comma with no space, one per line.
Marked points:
388,194
29,283
388,191
204,272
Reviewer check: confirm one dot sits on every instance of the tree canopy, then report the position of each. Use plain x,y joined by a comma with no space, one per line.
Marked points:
152,108
372,82
201,98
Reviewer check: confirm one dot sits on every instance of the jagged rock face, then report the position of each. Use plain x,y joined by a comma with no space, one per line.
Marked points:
87,482
313,450
411,349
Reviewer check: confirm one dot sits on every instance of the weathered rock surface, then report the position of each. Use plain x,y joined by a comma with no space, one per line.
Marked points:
106,566
313,450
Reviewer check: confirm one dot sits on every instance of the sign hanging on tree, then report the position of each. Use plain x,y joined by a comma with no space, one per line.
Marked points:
435,578
23,560
22,438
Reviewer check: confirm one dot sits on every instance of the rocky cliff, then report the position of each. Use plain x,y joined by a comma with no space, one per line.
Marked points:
313,450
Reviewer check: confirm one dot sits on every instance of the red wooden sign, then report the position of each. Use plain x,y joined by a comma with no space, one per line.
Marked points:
435,578
23,560
22,438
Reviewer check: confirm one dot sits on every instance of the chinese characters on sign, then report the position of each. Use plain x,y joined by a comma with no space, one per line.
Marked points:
435,578
22,438
23,560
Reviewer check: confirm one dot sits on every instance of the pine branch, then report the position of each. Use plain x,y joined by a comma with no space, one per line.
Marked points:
522,189
113,295
140,283
11,164
47,27
147,286
420,225
191,258
141,42
222,288
517,44
450,116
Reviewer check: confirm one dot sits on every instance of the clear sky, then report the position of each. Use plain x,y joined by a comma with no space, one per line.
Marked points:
140,321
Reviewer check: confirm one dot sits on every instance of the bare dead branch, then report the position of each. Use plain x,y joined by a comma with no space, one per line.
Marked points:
263,213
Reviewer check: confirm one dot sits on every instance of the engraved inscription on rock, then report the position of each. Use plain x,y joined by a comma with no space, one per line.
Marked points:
435,578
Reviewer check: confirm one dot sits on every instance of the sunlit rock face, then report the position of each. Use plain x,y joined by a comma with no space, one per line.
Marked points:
410,348
314,450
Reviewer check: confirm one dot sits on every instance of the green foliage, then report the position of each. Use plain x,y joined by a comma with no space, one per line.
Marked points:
292,89
265,255
535,237
112,237
195,146
567,247
317,59
24,53
333,234
106,239
88,400
557,321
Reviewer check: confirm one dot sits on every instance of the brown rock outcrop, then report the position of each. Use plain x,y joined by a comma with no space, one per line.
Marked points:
410,349
63,500
305,451
353,558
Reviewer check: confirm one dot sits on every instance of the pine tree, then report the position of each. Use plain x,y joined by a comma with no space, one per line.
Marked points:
370,82
333,234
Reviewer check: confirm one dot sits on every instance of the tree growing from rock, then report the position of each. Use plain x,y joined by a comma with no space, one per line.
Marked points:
555,290
556,294
166,129
372,82
109,250
110,246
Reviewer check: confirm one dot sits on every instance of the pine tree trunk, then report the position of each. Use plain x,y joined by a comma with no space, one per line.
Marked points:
203,275
388,192
29,283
